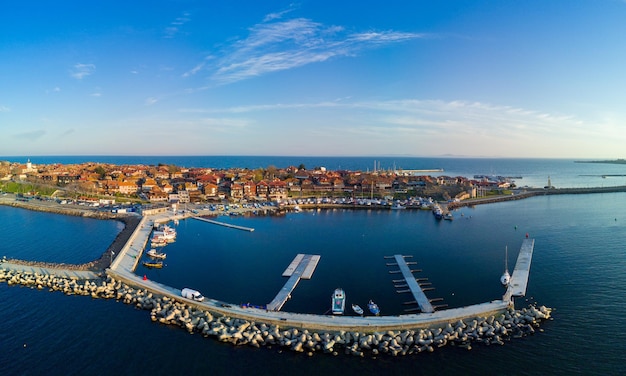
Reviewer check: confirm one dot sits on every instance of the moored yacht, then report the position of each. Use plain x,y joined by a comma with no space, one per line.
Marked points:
506,277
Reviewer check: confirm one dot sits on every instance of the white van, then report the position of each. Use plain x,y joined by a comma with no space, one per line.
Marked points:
192,294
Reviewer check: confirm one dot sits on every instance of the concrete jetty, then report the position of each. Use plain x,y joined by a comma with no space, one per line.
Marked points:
519,278
413,286
301,267
223,224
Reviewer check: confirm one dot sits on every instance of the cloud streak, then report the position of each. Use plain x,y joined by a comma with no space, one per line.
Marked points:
30,135
80,71
281,45
433,118
175,26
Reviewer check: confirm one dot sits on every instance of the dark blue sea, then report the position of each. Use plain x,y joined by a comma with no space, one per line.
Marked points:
578,269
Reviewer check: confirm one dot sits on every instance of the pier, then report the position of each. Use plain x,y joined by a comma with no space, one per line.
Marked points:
416,172
519,278
224,224
414,287
302,267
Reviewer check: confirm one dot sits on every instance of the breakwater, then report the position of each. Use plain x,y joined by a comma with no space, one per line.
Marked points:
491,330
535,192
130,224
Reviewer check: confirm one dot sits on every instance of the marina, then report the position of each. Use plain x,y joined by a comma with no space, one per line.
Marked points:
303,265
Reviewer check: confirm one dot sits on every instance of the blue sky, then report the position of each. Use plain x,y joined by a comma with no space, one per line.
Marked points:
321,78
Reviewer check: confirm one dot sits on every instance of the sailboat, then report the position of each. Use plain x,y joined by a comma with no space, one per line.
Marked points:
506,277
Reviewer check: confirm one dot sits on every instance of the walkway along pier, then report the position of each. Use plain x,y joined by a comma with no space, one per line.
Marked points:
519,278
413,286
223,224
302,267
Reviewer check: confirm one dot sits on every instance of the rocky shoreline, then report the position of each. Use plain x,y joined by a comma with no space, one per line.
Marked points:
492,330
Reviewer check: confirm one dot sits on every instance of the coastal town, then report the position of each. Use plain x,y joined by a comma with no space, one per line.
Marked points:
492,322
100,183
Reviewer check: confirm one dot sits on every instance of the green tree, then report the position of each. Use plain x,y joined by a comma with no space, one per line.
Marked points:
100,171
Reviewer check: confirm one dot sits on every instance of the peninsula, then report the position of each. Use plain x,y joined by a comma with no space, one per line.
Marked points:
95,190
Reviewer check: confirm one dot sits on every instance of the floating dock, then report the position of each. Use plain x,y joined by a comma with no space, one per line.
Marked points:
224,224
302,267
414,287
519,278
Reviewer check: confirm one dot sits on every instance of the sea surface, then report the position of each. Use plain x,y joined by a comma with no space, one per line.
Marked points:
577,269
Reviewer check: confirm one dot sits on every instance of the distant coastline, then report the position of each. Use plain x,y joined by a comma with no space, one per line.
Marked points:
614,161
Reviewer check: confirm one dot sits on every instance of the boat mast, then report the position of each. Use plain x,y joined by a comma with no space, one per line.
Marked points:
506,258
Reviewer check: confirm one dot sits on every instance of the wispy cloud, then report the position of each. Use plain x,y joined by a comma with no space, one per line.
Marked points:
278,15
197,68
174,27
30,135
80,71
67,132
150,101
430,117
4,109
281,45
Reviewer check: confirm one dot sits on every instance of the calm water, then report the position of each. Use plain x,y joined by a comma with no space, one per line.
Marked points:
577,269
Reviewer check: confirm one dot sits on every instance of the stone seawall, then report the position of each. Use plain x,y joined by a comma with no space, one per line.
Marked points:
490,330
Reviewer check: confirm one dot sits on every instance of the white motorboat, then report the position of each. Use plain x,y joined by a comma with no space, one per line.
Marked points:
338,302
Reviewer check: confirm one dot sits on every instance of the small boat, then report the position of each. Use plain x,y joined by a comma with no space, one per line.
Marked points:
437,212
448,216
166,232
338,302
506,277
373,307
156,254
357,309
153,264
397,206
